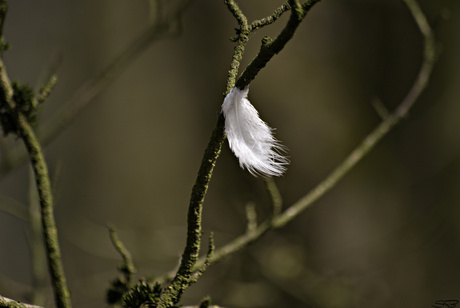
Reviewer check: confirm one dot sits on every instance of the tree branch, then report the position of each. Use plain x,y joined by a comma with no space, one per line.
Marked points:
10,303
56,269
182,278
121,284
26,133
369,143
127,267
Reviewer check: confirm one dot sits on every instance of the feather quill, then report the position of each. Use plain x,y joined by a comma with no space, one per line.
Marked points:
250,138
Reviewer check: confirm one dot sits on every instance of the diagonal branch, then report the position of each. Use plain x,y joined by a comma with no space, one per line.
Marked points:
183,277
241,41
269,19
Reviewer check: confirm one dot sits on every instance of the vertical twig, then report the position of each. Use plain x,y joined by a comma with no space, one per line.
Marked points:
183,277
242,39
39,166
37,253
275,196
420,83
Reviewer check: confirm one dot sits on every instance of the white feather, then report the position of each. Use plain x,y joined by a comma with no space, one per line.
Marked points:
250,138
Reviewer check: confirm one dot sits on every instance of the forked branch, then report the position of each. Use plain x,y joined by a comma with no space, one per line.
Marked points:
183,277
388,123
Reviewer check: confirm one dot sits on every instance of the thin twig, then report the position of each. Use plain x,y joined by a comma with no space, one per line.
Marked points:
197,274
237,13
183,276
429,58
121,284
56,269
127,267
270,47
269,19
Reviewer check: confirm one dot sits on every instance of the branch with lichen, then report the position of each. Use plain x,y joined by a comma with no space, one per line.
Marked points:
26,133
18,108
388,123
183,277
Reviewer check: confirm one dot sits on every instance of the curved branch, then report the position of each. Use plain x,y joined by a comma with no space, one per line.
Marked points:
127,267
241,41
26,133
269,19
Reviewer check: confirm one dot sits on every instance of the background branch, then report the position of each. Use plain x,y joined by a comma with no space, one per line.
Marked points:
56,269
269,19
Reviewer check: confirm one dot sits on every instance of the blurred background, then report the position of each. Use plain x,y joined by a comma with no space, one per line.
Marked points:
388,235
